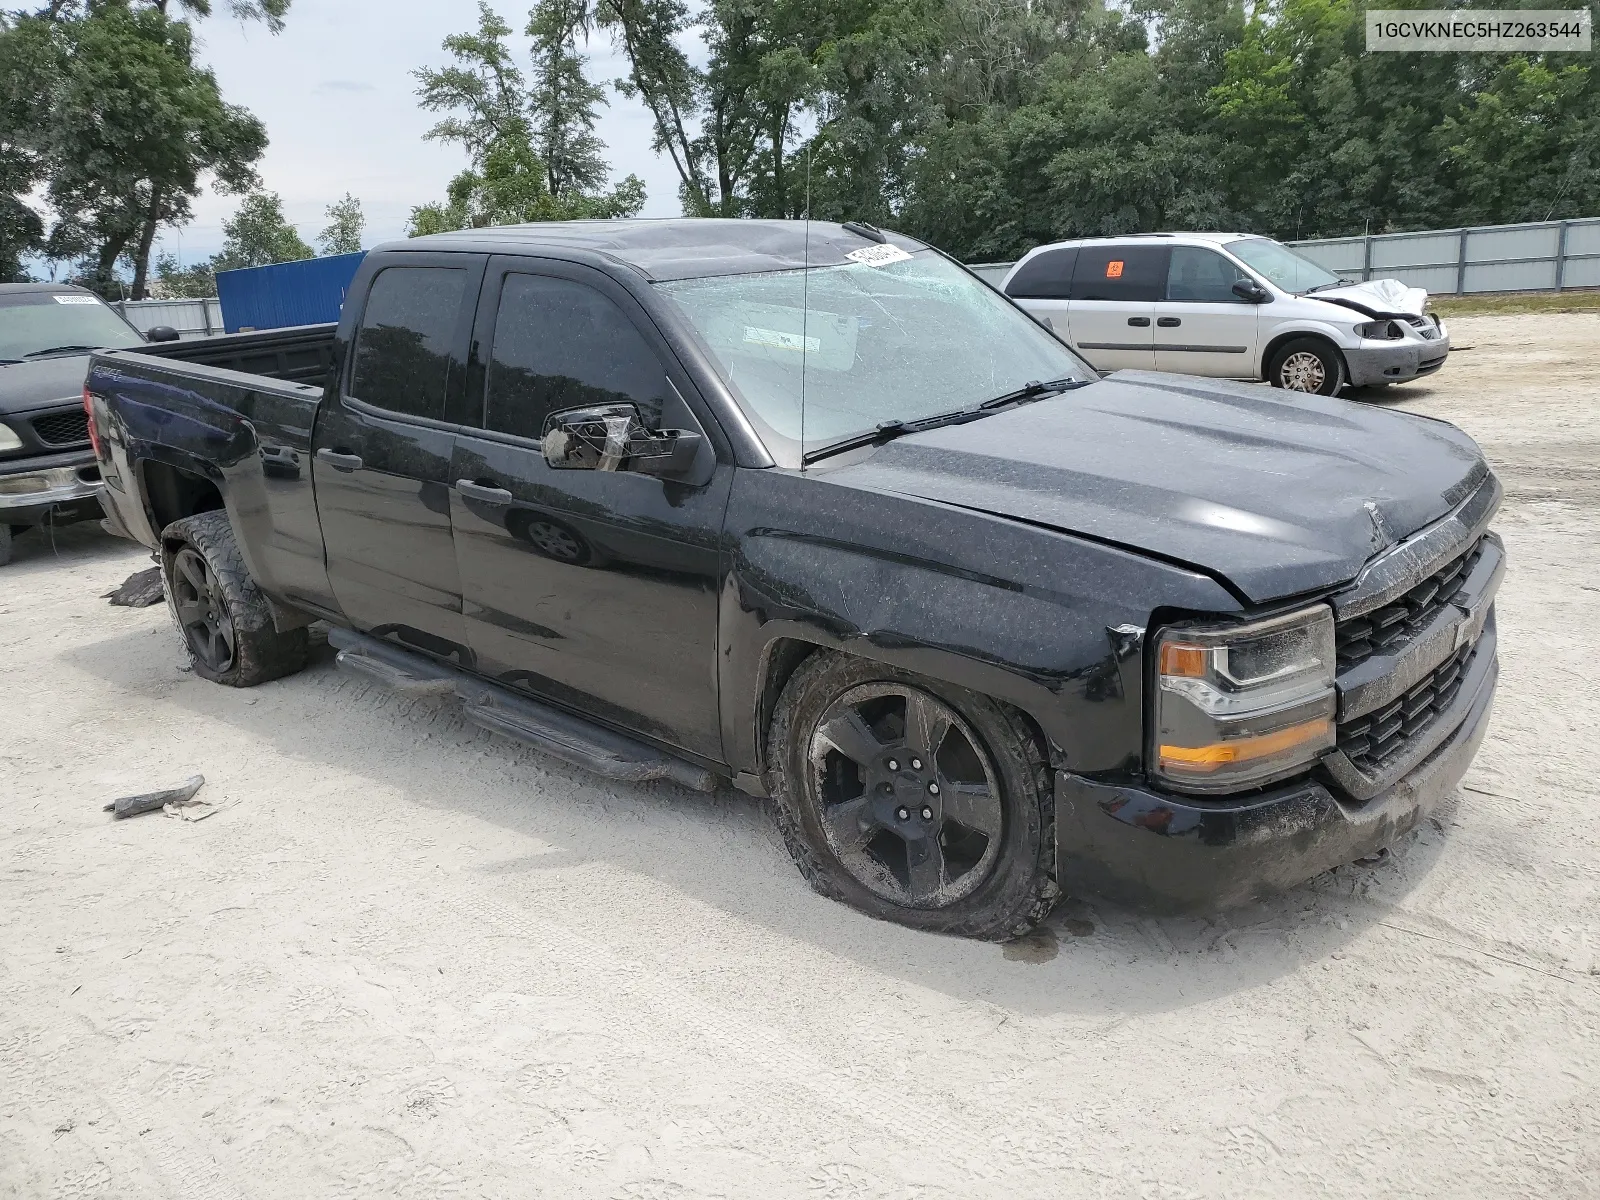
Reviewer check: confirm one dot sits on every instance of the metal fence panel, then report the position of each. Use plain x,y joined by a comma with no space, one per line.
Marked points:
1536,256
191,318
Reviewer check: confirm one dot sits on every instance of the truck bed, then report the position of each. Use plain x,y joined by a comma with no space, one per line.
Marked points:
300,355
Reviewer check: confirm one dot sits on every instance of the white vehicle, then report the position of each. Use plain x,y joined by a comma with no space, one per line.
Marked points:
1230,305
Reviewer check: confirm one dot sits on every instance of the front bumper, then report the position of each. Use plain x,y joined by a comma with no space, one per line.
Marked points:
58,490
1411,357
1163,851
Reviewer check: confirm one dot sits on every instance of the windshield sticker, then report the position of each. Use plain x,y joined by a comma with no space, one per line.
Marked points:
1114,269
76,300
878,256
780,340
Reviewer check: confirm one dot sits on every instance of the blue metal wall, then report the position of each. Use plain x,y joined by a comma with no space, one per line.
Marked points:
308,292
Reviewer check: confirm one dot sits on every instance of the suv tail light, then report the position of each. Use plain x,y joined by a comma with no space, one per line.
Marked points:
88,412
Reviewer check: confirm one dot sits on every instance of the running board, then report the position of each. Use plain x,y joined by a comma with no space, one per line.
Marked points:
559,734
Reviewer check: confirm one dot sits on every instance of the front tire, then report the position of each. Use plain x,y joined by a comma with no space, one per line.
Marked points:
912,800
223,616
1307,365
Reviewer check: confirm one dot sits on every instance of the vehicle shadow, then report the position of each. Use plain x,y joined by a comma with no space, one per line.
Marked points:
1089,957
45,547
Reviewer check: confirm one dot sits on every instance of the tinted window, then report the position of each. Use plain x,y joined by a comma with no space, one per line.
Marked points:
1046,276
558,345
1202,275
402,358
42,324
1120,273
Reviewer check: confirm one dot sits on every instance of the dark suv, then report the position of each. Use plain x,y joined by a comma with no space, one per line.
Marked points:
48,474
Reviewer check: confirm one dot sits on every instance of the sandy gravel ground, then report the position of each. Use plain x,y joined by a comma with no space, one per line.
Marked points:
411,959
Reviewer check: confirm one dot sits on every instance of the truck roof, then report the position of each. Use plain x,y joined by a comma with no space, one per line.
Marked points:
672,248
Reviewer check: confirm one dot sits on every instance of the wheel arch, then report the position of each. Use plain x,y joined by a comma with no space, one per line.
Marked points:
1284,337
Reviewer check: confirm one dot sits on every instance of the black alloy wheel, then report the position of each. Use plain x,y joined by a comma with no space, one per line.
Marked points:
910,802
202,610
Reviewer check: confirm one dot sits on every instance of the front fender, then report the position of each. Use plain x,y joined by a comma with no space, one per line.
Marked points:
1047,622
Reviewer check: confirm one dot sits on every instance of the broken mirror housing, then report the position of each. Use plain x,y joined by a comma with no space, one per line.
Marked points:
613,437
1238,706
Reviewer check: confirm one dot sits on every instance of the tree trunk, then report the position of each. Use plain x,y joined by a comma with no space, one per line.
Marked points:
141,263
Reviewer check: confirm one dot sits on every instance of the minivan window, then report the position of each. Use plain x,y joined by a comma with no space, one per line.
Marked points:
1045,276
1202,276
402,354
560,345
1290,271
1115,272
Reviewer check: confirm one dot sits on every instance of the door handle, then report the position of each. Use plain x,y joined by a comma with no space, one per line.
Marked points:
338,461
1169,322
477,491
1139,322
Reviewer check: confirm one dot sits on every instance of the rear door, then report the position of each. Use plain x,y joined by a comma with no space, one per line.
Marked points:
1111,317
1043,285
1202,328
382,453
597,589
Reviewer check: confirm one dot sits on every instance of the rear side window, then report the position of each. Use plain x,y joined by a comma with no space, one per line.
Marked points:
1046,276
560,345
1120,273
402,355
1202,276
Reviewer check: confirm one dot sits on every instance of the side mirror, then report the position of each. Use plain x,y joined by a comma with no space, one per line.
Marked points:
613,437
1249,289
162,333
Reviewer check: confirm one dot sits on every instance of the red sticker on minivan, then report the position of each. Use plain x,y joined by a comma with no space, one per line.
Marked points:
1114,269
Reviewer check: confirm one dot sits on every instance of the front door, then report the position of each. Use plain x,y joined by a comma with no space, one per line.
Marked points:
1202,328
382,455
597,589
1111,317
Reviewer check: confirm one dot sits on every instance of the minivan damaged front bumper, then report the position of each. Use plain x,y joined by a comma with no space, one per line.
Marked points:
1175,853
1395,361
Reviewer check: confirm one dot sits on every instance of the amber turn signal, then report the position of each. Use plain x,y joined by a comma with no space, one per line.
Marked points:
1181,659
1222,754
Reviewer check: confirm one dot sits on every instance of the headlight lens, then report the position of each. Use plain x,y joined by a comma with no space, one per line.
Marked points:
1386,331
1237,706
9,439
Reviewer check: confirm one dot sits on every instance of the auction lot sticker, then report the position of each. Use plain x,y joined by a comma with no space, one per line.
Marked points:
1479,31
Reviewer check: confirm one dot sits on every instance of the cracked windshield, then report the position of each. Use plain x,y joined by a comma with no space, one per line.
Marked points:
913,338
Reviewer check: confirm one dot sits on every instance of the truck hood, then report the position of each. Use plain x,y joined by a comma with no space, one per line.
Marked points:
1377,298
45,381
1275,493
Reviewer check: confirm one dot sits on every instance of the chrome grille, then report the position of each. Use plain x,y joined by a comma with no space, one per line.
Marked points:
1359,638
1371,738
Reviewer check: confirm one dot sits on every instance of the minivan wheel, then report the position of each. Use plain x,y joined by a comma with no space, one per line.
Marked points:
223,616
1307,365
912,800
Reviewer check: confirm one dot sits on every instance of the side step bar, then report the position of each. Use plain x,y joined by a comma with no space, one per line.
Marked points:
559,734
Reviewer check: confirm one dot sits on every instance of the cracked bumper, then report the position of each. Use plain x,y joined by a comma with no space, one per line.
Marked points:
1158,850
56,490
1395,362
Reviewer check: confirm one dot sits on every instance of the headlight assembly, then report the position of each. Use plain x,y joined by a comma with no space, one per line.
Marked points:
1238,706
1383,331
9,440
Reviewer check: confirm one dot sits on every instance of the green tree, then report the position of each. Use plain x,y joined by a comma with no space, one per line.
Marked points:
189,283
258,235
534,156
346,224
30,63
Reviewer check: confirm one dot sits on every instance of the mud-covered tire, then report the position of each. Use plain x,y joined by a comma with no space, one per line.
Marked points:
1307,364
259,652
1019,888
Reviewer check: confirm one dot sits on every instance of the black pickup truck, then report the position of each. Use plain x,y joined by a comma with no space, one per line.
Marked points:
818,512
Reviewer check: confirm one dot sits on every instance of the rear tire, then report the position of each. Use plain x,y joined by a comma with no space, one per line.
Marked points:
1307,364
987,875
222,615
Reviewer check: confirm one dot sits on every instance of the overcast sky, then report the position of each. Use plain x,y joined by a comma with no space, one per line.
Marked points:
335,92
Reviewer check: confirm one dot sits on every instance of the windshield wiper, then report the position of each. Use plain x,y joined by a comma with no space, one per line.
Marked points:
1034,390
61,350
1317,287
889,430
